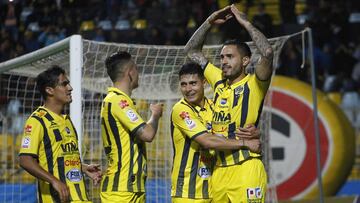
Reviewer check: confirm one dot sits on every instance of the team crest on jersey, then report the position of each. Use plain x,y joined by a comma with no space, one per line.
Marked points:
208,126
204,172
74,175
123,104
25,142
239,90
28,129
132,115
254,193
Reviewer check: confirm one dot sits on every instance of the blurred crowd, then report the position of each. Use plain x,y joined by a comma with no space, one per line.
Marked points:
27,25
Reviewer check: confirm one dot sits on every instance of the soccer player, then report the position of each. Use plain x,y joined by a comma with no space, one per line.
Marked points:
239,175
49,149
124,133
191,134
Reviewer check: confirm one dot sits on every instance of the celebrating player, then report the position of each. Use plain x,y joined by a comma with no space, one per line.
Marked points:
124,133
192,137
239,175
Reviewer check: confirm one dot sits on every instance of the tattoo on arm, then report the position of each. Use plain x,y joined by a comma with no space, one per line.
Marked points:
261,42
193,47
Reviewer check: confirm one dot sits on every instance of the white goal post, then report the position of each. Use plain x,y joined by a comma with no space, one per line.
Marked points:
84,62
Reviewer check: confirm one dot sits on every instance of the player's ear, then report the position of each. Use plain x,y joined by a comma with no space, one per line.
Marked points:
49,91
245,60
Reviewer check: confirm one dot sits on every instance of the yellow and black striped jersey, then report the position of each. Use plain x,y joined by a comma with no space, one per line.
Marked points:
125,153
192,165
235,106
52,139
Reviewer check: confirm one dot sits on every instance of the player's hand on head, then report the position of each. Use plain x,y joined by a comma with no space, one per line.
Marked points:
253,145
220,16
157,109
62,189
248,132
240,16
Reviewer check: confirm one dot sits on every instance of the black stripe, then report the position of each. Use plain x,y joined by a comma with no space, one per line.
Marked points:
78,191
39,193
259,113
172,139
131,176
105,184
48,116
245,105
244,112
72,124
222,158
236,98
231,135
117,93
205,189
57,135
54,195
115,132
216,97
193,173
106,132
47,147
35,156
140,168
61,169
197,134
133,132
185,154
219,82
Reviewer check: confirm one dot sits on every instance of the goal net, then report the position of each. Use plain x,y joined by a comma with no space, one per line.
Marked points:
158,67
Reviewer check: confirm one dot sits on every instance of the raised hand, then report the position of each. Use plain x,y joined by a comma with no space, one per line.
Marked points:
62,189
156,109
220,16
240,16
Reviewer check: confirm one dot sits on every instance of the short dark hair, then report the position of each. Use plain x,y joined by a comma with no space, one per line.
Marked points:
241,46
115,64
191,68
48,78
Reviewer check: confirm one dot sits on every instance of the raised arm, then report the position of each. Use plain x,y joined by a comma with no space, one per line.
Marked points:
263,69
193,47
147,132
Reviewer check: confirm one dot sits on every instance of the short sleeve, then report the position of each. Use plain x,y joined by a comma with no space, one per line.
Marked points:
213,75
186,120
127,114
32,137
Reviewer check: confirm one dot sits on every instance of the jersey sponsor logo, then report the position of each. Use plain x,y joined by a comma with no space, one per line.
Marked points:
72,162
184,115
74,175
25,142
69,147
204,172
190,123
254,193
28,129
54,125
239,90
132,115
221,117
123,104
223,101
